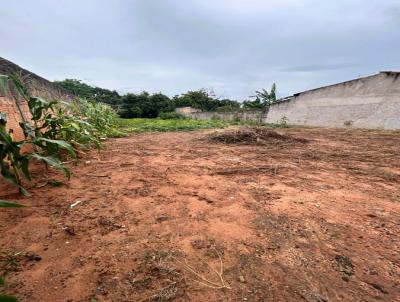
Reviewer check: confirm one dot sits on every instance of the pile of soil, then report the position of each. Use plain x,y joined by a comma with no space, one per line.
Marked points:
250,136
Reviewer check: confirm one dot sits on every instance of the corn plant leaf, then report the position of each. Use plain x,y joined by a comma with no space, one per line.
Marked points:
24,161
8,204
7,298
52,161
3,83
19,85
62,144
28,129
37,107
6,138
11,178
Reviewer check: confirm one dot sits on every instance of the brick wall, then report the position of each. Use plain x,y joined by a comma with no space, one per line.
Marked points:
14,115
16,108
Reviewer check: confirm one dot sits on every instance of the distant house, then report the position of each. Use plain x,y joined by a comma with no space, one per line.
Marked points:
367,102
15,107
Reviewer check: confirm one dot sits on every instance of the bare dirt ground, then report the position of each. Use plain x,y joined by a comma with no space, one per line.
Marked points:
288,220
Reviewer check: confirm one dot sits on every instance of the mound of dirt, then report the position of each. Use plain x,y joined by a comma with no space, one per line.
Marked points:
251,135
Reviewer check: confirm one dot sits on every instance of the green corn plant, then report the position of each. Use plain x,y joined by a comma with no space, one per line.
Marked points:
75,129
43,130
13,164
10,155
55,129
101,116
56,122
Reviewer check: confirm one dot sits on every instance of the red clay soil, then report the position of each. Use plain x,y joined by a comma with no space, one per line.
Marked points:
158,213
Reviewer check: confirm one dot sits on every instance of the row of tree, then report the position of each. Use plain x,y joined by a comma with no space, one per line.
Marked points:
149,105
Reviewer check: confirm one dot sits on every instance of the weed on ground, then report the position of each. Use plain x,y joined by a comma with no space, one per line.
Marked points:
160,125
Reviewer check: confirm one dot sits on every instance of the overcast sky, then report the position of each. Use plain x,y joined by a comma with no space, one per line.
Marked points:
232,46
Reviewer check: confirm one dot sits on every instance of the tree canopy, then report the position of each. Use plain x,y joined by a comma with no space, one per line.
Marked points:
262,99
204,100
83,90
144,105
148,105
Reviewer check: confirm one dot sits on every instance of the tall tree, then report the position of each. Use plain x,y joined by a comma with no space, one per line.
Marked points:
262,99
83,90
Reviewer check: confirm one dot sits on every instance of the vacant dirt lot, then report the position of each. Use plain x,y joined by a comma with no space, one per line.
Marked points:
289,220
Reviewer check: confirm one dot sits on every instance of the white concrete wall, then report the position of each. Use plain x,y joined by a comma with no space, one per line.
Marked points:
186,110
370,102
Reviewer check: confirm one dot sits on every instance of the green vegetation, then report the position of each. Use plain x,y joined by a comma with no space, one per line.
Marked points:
144,124
204,100
55,130
171,116
146,105
85,91
165,125
282,123
263,99
102,118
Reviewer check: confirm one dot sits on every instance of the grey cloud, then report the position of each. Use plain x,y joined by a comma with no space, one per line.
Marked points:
317,67
172,46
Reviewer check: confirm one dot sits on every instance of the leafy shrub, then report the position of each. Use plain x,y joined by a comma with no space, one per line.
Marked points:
283,122
236,119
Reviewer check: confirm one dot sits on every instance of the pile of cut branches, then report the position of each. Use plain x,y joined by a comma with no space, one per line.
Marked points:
251,136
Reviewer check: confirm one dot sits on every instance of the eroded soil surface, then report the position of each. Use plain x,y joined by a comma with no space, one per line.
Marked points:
156,214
